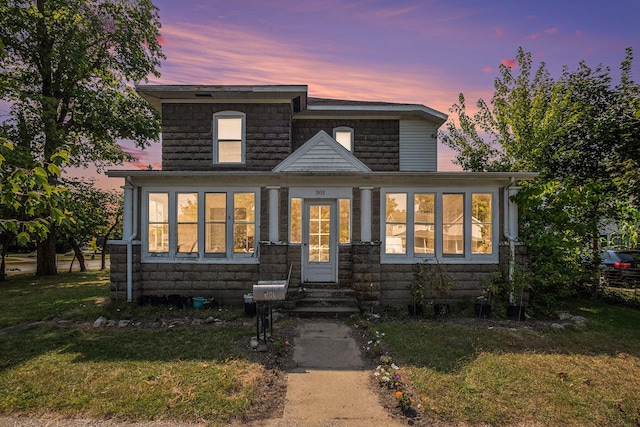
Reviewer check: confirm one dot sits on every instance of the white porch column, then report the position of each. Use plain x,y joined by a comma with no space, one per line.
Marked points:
127,211
365,214
274,201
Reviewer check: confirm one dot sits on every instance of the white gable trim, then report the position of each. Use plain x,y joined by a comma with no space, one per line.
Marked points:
321,153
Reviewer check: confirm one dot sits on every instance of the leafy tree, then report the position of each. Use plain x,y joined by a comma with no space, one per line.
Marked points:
29,204
581,134
95,213
67,70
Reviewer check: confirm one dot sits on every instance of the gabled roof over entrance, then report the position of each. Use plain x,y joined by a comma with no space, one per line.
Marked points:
321,153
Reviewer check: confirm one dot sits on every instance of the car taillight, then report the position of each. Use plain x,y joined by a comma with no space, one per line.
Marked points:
621,264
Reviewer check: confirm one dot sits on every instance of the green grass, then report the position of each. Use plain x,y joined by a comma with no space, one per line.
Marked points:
472,373
133,373
26,298
179,373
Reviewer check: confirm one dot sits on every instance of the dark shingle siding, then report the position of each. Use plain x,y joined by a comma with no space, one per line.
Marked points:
187,135
376,142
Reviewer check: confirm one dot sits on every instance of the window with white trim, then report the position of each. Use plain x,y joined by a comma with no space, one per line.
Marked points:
228,137
458,226
453,229
344,135
424,223
158,223
180,226
482,223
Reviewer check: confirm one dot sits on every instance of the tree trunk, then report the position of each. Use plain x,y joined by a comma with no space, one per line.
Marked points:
104,245
3,264
46,256
77,253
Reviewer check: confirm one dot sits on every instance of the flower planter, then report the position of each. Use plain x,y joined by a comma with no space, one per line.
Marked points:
249,305
516,312
482,311
441,310
198,302
415,310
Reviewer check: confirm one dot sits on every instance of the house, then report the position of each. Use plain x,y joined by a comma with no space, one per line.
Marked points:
256,179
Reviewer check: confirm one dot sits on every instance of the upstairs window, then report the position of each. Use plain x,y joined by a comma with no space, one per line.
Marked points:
228,137
344,135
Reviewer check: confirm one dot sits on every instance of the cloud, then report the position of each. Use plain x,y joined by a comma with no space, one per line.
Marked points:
535,36
487,69
510,63
499,31
392,13
227,54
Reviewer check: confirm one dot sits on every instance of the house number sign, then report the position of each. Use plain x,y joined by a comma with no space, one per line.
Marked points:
320,192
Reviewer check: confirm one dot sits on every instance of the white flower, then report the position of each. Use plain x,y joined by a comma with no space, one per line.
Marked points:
386,379
394,366
377,374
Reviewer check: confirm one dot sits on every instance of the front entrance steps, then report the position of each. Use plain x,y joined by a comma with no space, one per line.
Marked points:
323,300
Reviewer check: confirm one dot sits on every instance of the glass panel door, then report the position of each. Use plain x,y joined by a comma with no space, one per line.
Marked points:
320,243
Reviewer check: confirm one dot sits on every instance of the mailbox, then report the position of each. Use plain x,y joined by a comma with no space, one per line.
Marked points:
270,290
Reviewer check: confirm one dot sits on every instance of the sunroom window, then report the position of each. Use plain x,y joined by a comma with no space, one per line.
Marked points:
244,222
158,221
453,227
187,223
453,224
215,223
482,226
396,223
201,225
424,221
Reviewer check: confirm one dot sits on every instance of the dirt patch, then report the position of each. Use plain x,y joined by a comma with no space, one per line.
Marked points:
276,357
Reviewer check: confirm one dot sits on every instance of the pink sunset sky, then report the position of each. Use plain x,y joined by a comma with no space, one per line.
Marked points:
405,51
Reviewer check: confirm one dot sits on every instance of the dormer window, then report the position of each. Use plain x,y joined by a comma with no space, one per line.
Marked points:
228,137
344,135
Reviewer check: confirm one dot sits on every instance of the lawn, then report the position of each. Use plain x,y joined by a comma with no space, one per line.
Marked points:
463,371
75,370
481,372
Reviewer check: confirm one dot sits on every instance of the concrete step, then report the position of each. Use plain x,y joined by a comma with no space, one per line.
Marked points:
327,293
327,302
323,312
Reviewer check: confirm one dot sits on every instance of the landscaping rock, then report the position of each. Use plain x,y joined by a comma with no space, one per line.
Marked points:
579,320
100,322
123,323
557,326
564,316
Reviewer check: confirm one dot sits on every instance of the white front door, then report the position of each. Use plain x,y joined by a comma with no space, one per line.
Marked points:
319,241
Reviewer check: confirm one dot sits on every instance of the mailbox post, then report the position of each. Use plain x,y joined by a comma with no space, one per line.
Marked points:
265,292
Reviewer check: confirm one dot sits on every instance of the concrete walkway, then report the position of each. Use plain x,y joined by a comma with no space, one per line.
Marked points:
330,386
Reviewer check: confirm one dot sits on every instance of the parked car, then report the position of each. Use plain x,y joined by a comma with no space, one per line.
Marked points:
621,267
